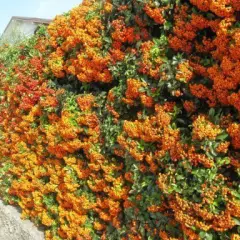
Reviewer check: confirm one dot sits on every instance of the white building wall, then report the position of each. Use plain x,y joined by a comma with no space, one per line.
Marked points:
18,30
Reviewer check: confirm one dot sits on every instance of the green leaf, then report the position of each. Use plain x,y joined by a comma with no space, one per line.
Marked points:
206,236
222,136
237,221
211,112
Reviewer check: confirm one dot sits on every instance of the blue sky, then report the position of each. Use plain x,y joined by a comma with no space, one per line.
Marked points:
33,8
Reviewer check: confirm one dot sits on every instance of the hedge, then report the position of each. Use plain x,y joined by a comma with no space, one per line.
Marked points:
121,121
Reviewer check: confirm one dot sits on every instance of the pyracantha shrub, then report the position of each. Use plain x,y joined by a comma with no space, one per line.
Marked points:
121,120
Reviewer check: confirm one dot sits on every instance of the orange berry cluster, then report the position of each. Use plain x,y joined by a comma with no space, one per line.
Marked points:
120,121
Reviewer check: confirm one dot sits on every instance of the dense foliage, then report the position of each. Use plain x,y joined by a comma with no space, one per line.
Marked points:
121,121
